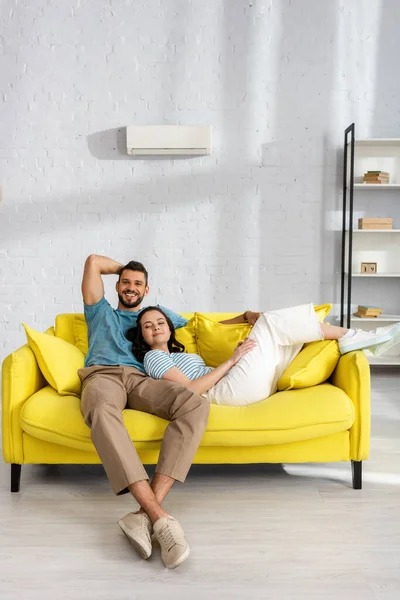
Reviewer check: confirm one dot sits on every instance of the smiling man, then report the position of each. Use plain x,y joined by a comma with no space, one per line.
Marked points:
113,380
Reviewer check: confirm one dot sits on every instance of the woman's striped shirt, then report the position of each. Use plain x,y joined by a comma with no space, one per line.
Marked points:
157,362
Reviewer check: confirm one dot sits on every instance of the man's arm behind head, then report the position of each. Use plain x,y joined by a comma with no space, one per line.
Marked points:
92,283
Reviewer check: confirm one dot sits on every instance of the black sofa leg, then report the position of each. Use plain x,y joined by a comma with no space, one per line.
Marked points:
15,477
356,469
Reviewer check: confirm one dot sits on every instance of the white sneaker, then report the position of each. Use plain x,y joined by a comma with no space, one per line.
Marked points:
174,547
137,528
377,342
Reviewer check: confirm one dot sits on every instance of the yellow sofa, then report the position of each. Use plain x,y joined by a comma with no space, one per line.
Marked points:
328,422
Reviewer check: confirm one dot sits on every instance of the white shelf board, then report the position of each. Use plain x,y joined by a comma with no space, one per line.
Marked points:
377,142
377,186
383,360
391,318
376,274
376,230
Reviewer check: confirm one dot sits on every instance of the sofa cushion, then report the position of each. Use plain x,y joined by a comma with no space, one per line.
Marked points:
312,366
284,417
203,334
58,360
65,327
72,328
187,336
216,342
81,333
322,311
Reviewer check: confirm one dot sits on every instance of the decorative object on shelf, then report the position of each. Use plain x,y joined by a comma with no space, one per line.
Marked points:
369,267
376,177
368,312
375,223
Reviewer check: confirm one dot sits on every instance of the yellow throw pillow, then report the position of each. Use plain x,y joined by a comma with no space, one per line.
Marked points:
215,341
187,336
81,333
312,366
322,311
58,360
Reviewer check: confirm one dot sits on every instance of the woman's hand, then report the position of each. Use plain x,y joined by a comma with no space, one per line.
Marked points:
241,349
251,317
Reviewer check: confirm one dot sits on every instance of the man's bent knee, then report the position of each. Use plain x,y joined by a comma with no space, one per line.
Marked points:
95,413
202,409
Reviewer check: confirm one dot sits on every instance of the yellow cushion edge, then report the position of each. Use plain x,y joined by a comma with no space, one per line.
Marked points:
46,368
322,311
220,348
294,380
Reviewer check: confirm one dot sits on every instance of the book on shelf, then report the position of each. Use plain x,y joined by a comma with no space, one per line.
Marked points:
369,307
375,223
366,311
376,177
377,181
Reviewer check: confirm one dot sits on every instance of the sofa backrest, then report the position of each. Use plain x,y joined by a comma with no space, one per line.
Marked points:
72,327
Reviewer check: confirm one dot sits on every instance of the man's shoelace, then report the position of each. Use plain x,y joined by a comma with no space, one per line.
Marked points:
167,538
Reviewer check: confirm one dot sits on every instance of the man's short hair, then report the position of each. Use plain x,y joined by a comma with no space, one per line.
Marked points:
133,265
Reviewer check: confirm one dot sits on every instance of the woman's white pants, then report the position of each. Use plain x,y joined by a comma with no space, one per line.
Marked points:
280,335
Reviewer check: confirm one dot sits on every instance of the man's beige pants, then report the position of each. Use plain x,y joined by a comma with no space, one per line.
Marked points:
106,391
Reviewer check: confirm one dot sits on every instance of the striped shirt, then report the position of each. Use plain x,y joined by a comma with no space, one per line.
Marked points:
157,362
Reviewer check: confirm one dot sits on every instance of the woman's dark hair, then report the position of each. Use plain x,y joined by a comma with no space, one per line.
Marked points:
139,346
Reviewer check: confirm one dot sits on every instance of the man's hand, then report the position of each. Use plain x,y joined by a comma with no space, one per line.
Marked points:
251,317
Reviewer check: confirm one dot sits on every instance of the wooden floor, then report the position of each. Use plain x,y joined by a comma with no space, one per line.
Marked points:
291,532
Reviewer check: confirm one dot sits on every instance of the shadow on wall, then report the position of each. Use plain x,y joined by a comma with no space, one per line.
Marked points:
387,86
331,223
232,178
381,123
302,158
237,210
109,144
66,212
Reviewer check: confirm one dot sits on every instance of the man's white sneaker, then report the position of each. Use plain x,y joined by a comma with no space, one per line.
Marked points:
137,528
377,342
174,547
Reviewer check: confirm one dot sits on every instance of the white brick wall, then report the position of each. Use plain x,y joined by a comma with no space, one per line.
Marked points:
252,226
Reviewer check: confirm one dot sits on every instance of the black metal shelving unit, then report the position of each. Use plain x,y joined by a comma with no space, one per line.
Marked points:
348,187
356,466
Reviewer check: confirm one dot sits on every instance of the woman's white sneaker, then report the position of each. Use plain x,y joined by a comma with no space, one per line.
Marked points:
378,342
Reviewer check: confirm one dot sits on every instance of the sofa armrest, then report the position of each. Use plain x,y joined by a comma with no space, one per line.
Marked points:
21,377
352,375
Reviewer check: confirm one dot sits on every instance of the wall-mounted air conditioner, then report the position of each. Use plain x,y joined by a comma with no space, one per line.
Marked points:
168,139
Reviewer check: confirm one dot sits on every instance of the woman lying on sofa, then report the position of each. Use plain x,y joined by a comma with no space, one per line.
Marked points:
253,371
